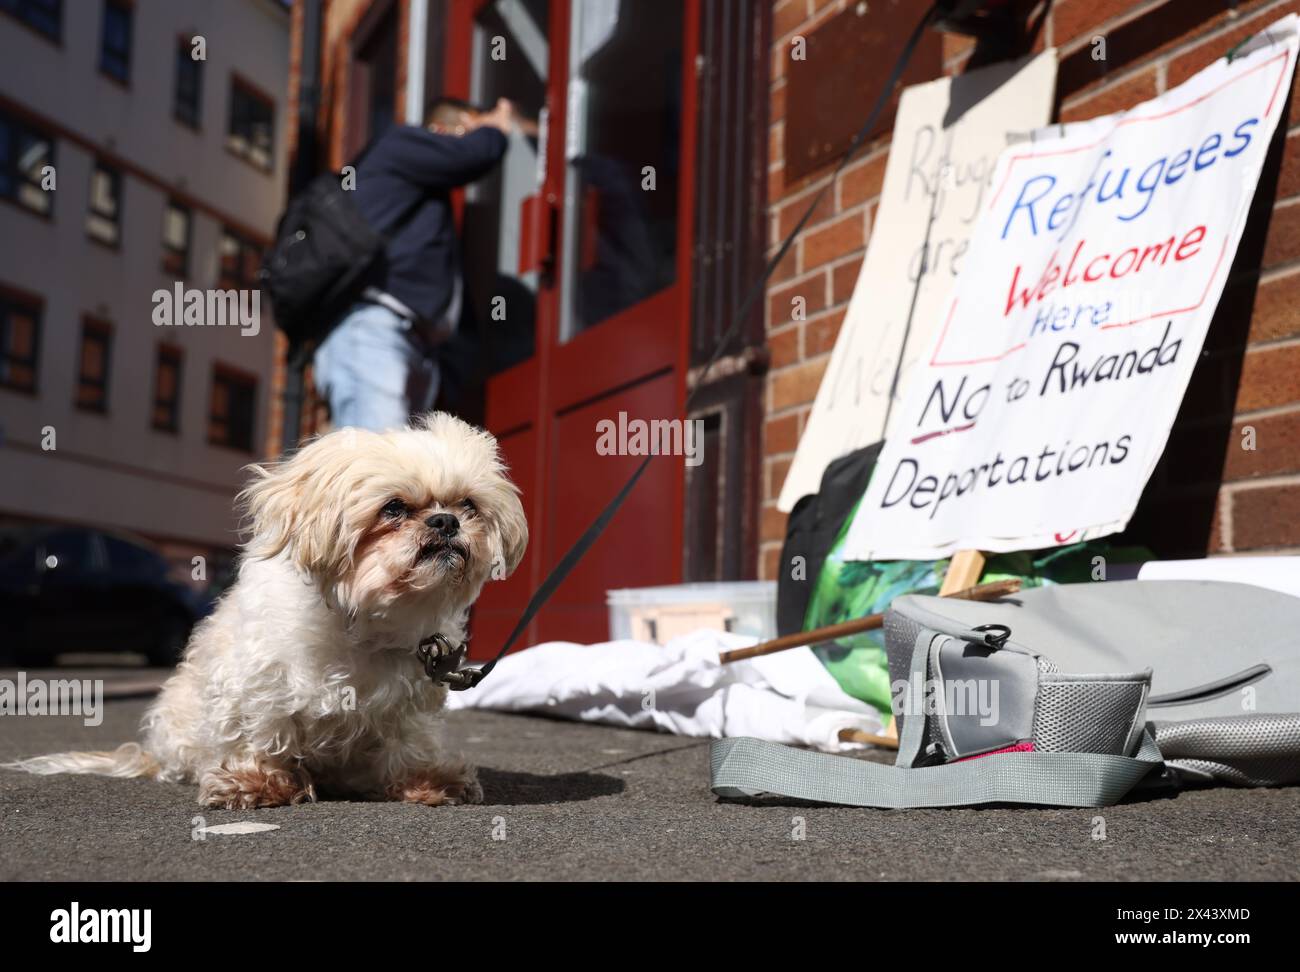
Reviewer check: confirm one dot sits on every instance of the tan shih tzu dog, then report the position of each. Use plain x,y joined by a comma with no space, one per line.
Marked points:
306,678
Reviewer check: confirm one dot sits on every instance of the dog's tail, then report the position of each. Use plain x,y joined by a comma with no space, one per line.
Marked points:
127,760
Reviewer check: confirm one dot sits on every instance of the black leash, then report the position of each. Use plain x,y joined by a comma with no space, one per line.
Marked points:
442,658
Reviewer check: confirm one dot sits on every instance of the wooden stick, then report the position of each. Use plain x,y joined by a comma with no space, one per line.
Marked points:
983,592
857,735
963,572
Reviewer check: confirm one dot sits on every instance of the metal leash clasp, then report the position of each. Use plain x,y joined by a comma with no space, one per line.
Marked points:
442,660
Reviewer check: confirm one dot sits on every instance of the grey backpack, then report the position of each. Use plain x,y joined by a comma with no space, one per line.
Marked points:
1068,695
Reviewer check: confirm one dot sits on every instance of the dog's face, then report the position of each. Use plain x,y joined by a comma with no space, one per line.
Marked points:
401,526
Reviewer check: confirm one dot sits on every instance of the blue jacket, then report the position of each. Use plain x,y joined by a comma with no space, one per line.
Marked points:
406,164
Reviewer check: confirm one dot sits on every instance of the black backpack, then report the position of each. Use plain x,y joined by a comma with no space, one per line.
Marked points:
814,523
324,250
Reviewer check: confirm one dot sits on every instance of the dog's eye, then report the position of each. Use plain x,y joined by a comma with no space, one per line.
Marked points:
468,506
394,509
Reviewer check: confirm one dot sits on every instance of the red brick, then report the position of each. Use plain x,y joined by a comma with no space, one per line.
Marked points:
843,279
1118,97
776,106
772,524
780,302
780,55
820,335
1288,179
1269,377
787,268
788,16
1276,312
1072,19
1203,55
834,241
797,385
863,180
1283,242
777,469
784,347
769,562
1276,452
1147,37
790,213
775,183
776,143
780,435
1267,516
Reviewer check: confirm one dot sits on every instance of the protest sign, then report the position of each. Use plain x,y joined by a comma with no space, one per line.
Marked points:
1058,367
946,140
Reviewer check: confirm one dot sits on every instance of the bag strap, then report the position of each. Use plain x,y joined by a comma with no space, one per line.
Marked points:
745,767
472,676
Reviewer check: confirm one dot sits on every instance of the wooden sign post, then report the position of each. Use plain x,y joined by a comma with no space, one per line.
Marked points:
963,572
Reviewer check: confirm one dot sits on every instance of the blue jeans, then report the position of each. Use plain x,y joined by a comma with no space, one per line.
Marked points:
374,372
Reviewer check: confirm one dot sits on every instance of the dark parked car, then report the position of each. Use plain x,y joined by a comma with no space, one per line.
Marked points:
72,589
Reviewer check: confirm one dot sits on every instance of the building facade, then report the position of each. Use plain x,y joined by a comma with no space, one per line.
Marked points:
698,93
143,154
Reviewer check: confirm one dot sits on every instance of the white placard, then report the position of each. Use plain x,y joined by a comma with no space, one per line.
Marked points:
947,137
1059,365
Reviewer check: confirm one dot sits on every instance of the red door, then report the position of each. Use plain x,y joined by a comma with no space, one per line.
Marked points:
578,256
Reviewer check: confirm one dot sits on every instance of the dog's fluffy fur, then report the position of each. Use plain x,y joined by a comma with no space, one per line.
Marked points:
305,678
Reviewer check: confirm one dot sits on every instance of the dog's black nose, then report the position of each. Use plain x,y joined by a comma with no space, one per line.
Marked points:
443,524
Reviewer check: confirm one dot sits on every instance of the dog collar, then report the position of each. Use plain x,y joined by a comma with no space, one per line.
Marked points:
442,659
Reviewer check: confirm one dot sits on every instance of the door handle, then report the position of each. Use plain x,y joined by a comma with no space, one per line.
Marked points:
539,222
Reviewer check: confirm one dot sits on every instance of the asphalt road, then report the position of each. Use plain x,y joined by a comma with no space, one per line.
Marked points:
569,801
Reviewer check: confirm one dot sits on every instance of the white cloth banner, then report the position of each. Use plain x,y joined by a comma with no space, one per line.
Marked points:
680,687
1061,360
1275,573
946,139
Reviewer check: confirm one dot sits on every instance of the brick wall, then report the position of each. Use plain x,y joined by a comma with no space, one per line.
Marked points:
1209,495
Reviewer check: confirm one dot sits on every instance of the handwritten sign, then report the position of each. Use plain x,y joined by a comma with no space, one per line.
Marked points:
1059,364
946,140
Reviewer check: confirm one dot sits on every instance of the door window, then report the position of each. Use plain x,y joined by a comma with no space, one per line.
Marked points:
622,146
511,57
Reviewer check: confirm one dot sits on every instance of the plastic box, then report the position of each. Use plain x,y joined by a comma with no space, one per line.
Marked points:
659,614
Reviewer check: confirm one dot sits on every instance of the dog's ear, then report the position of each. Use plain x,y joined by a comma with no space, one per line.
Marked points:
295,503
511,532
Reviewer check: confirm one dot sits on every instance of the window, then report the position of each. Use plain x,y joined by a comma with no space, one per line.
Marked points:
176,239
230,418
167,389
240,262
250,134
189,84
115,41
24,154
92,375
104,219
20,321
42,16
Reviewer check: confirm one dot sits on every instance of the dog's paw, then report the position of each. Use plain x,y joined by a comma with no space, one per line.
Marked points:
435,788
257,786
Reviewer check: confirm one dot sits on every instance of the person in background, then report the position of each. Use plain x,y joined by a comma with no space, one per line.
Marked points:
378,366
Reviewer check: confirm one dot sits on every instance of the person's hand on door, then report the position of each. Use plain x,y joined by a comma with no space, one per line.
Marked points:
502,117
